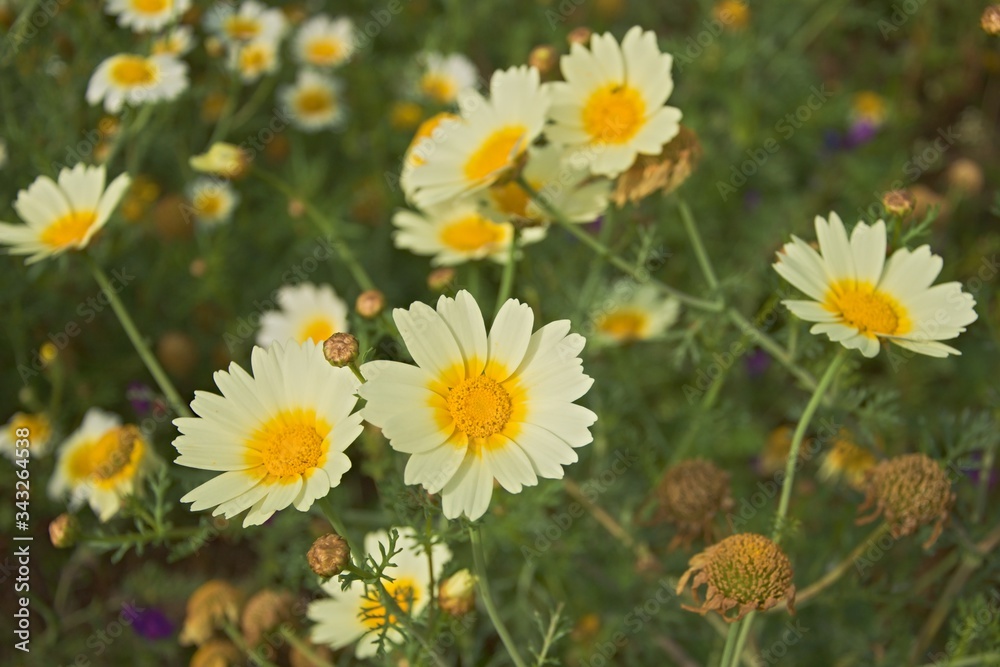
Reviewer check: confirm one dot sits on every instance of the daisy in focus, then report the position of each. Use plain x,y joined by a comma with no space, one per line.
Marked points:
633,313
39,435
491,141
325,42
480,407
101,463
860,298
252,21
146,15
62,215
308,312
611,105
177,42
452,233
212,201
313,102
444,77
133,79
358,612
278,436
254,59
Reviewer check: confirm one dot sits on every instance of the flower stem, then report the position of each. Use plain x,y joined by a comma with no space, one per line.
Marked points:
303,648
166,386
772,347
483,585
727,651
507,279
404,620
836,573
741,639
326,507
699,247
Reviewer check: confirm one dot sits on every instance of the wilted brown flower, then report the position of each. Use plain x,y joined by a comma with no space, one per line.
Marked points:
908,491
210,606
265,611
664,172
746,572
329,555
991,20
217,653
690,495
340,349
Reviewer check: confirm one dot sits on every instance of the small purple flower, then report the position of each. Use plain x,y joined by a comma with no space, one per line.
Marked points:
757,362
973,472
860,133
140,396
153,624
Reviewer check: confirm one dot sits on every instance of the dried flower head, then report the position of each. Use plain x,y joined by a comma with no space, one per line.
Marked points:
664,172
746,572
265,611
848,460
217,653
210,606
898,202
991,20
340,349
690,495
908,491
329,555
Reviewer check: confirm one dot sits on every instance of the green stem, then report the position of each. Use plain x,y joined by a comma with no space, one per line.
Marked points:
166,386
507,279
303,648
234,635
225,118
707,401
141,538
699,247
14,38
727,651
404,620
482,583
326,507
744,632
772,347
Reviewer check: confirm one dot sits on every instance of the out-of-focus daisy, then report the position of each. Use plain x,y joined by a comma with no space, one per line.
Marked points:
314,102
62,216
278,436
634,312
560,180
452,233
133,79
146,15
848,460
35,428
425,141
254,59
359,612
177,42
325,42
308,312
611,105
101,462
480,407
869,107
733,14
859,297
496,133
252,21
221,159
212,200
444,77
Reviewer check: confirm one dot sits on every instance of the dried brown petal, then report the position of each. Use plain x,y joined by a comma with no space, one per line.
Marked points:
908,491
664,172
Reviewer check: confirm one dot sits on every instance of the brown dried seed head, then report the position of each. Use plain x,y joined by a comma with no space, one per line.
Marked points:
329,555
210,606
690,495
340,349
264,612
908,491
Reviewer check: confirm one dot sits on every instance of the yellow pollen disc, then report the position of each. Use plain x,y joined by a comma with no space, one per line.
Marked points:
438,87
497,153
151,6
614,114
68,230
374,614
239,27
289,445
863,307
208,204
510,198
132,71
313,101
109,458
324,51
480,407
473,233
318,330
39,428
624,325
253,58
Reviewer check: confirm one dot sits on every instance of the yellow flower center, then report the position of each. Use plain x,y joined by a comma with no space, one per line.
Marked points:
208,204
614,114
325,51
497,153
254,58
865,308
38,427
510,198
289,445
318,330
373,613
109,458
133,71
313,101
624,325
68,230
480,406
473,233
240,27
151,6
438,87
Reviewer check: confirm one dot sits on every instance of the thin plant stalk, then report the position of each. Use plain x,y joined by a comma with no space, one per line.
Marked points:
482,583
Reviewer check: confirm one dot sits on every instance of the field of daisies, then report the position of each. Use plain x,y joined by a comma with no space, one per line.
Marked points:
534,332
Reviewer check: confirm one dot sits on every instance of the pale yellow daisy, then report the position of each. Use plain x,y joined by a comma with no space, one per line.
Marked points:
133,79
425,141
254,59
307,312
62,215
278,436
860,298
444,77
452,233
212,200
480,407
325,42
251,21
358,613
146,15
35,428
177,42
633,312
313,102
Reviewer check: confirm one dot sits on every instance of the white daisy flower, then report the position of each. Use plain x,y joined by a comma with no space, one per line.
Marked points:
132,79
480,407
146,15
444,77
62,216
39,435
212,200
423,145
610,107
351,614
325,42
562,180
859,297
314,101
308,312
634,312
251,22
452,233
177,42
494,136
101,463
254,59
278,436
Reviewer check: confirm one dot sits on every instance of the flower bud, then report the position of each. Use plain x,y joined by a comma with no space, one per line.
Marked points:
909,491
63,531
898,202
457,594
544,58
579,35
369,304
340,349
440,279
329,555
